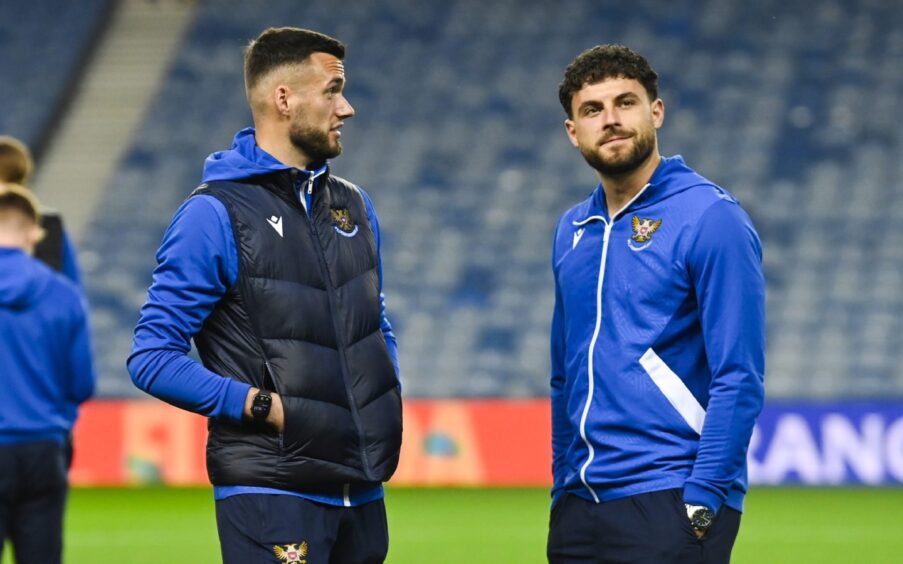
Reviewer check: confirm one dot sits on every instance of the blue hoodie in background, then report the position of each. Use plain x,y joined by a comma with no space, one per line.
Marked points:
46,369
197,263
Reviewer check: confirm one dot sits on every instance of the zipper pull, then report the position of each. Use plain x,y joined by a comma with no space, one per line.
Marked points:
308,200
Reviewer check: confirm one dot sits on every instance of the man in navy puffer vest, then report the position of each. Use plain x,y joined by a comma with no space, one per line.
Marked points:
272,266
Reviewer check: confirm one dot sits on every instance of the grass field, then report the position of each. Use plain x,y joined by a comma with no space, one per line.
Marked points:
497,526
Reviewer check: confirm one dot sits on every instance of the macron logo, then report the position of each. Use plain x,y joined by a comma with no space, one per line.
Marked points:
577,235
276,222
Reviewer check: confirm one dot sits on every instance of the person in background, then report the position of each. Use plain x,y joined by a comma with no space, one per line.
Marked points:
657,340
55,249
273,267
46,372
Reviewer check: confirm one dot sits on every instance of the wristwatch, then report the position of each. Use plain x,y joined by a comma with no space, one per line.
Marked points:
260,407
701,517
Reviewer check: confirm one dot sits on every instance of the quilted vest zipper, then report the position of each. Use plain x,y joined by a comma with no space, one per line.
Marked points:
340,337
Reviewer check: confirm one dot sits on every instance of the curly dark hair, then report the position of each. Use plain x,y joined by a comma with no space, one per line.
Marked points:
278,46
601,62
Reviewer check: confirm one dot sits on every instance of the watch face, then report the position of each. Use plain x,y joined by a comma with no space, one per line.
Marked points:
702,518
260,408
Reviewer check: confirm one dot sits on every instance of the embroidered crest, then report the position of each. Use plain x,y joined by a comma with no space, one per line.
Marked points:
644,228
341,219
291,553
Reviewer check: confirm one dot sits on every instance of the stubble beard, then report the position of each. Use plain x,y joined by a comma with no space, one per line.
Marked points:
314,143
643,145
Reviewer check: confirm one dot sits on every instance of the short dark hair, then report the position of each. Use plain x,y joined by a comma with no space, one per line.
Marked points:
278,46
602,62
16,163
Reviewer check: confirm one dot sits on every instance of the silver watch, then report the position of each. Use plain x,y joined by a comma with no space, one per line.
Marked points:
701,517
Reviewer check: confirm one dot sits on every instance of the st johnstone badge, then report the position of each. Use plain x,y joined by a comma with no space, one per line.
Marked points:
291,553
644,228
341,219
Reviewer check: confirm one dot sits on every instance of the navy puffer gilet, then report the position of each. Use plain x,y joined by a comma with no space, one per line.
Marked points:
303,319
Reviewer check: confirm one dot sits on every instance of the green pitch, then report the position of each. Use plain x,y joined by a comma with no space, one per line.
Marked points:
493,526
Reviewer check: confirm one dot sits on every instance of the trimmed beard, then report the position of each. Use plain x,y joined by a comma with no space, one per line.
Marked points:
313,143
643,145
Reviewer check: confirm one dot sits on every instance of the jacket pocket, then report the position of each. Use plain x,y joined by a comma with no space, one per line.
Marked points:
320,430
674,390
267,381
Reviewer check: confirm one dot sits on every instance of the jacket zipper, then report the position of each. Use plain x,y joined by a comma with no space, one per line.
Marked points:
609,224
309,195
589,372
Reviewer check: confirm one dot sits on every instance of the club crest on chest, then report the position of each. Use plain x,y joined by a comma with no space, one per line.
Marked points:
643,229
342,222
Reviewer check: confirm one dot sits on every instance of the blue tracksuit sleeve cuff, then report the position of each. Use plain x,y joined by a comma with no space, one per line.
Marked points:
695,494
234,403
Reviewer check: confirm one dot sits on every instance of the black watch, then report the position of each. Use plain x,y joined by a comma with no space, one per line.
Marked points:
260,408
701,517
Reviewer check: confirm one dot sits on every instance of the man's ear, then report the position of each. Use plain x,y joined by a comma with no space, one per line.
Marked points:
658,113
571,131
33,236
281,95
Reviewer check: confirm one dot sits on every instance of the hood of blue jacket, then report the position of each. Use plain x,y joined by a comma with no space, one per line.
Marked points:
671,177
22,278
243,160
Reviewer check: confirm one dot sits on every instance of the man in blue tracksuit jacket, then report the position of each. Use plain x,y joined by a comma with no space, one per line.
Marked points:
272,266
658,337
46,371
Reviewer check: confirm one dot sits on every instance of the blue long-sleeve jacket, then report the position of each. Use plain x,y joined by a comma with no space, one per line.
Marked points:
657,342
197,263
46,369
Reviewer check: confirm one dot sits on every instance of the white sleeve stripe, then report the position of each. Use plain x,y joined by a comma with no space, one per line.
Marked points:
675,391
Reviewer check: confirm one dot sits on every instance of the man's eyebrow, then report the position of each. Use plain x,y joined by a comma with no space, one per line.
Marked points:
597,103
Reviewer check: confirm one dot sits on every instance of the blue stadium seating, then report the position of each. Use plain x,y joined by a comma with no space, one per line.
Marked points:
791,105
42,45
